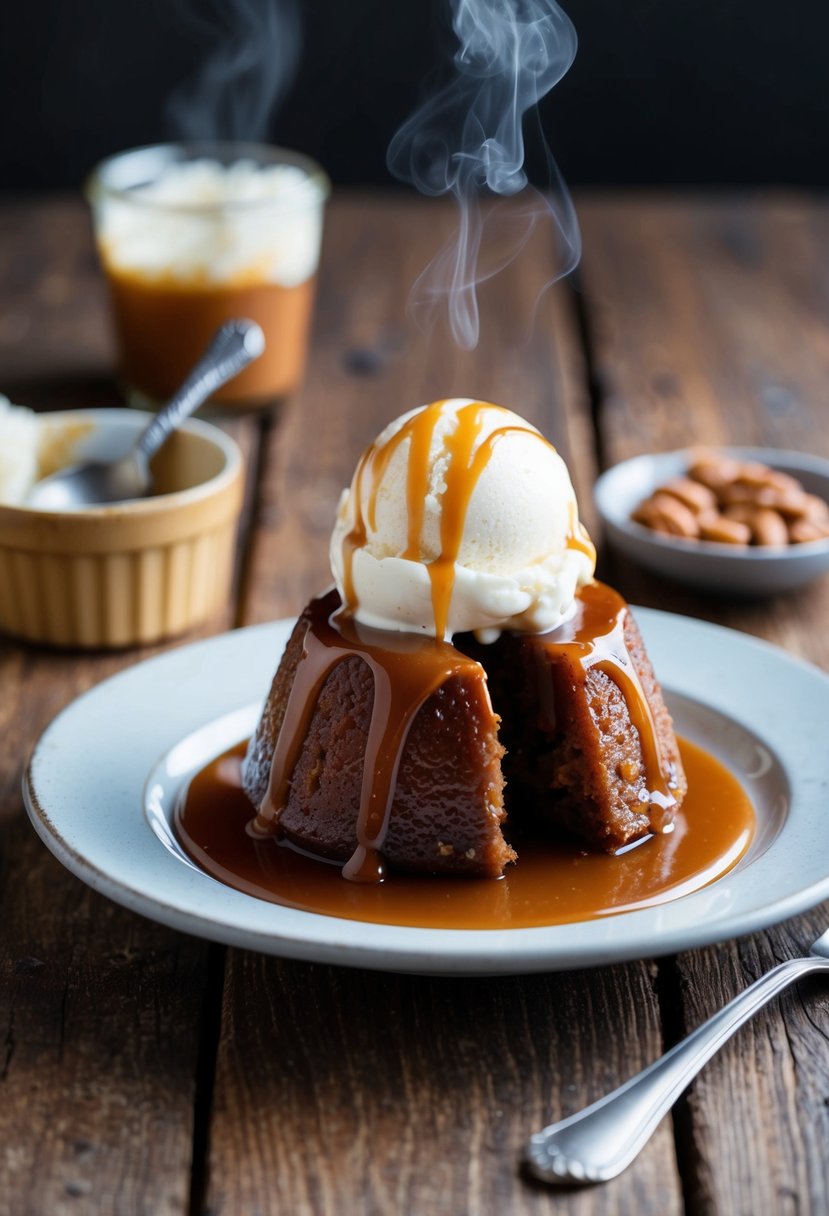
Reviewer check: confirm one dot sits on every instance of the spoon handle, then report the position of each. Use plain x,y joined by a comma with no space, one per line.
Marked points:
599,1142
235,345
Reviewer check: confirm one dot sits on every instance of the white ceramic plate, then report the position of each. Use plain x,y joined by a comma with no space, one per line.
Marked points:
726,569
103,778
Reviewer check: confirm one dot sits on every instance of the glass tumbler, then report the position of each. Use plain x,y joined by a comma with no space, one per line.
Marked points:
191,235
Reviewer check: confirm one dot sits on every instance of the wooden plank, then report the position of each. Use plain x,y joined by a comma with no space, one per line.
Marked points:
340,1090
343,1090
101,1011
756,1124
707,321
708,324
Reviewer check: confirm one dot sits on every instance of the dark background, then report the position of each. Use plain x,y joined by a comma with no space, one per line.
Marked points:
662,91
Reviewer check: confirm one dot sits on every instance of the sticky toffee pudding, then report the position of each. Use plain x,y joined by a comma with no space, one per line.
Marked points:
378,746
446,683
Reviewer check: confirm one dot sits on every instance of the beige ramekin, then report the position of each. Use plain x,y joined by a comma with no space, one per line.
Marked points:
134,572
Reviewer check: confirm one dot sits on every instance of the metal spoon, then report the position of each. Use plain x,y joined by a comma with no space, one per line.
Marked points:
599,1142
235,345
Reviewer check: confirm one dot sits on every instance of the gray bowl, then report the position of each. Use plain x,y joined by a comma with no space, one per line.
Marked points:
703,564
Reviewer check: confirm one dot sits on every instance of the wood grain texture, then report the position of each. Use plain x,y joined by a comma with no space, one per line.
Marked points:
99,1008
100,1011
55,342
708,323
709,320
347,1091
344,1091
758,1116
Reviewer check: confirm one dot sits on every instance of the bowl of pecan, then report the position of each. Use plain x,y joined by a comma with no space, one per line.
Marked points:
737,521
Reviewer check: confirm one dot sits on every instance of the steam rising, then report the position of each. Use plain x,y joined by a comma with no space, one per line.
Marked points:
249,68
468,138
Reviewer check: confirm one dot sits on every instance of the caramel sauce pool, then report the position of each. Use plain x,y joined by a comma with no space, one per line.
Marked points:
549,885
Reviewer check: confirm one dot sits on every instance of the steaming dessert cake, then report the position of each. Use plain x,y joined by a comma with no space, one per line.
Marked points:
380,743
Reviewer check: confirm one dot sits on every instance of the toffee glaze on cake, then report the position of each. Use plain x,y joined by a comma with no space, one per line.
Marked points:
372,743
408,670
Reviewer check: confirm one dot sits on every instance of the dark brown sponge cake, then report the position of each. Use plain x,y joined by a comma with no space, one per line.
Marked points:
448,805
581,775
584,775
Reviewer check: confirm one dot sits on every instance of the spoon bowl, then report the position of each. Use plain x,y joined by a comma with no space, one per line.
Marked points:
93,484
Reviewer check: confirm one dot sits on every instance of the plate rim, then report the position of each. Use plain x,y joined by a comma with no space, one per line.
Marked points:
469,952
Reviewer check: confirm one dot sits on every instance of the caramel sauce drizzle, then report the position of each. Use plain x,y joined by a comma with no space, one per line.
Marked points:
407,669
372,466
595,638
554,882
577,536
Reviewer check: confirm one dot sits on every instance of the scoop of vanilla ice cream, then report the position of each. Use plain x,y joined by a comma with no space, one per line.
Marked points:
19,448
522,553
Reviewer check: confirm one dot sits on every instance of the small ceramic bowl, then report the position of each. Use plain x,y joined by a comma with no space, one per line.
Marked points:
129,573
721,568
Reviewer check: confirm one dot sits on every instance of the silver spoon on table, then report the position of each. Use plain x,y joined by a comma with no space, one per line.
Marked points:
599,1142
235,345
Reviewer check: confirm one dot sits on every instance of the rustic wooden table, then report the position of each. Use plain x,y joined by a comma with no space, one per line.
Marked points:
142,1071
